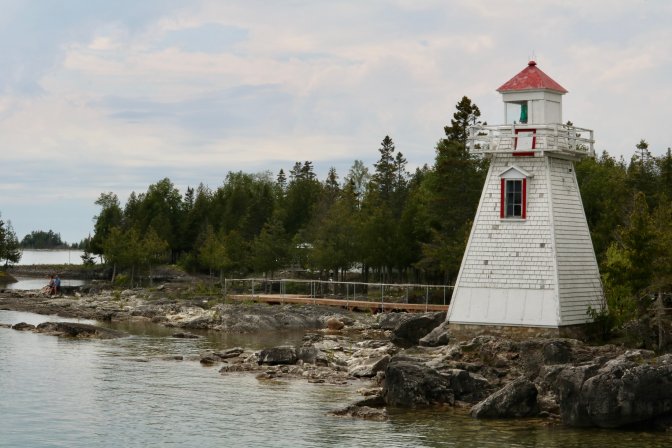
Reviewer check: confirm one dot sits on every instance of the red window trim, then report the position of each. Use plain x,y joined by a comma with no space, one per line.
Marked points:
524,198
502,199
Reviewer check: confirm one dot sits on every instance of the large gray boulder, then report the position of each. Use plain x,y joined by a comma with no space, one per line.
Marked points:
467,386
412,327
368,367
312,355
370,359
411,384
516,399
284,354
440,335
628,389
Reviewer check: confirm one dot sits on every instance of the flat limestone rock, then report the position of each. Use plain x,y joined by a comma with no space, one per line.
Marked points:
77,330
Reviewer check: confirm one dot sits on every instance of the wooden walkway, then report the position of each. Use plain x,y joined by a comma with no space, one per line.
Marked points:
361,305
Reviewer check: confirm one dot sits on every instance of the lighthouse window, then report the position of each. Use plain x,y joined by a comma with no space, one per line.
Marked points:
517,112
513,198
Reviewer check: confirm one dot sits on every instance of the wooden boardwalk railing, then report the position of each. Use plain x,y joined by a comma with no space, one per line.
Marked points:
343,303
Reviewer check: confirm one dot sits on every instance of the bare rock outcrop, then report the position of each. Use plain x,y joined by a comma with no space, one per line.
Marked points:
629,389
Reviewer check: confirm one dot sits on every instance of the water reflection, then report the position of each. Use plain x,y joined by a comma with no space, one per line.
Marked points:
81,393
45,256
31,283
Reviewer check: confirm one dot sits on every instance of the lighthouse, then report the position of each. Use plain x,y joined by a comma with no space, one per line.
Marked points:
529,266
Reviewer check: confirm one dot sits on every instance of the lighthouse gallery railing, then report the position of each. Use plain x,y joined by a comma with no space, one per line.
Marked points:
559,138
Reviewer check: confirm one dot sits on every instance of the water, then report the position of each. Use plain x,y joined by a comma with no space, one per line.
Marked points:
28,283
39,256
88,393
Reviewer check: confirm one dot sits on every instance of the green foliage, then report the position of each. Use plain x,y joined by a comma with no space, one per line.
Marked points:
632,255
605,196
212,253
603,323
109,217
87,258
385,221
39,239
10,252
451,192
120,281
301,198
467,114
270,249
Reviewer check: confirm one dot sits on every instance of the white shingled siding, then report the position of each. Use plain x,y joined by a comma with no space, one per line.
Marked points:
540,271
511,253
578,274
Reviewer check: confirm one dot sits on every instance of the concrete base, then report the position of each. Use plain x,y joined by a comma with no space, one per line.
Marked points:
469,331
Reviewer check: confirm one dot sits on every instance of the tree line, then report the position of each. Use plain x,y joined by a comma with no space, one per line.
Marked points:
40,239
392,224
629,211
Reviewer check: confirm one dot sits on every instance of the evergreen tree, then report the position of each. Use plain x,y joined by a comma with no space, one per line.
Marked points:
359,178
10,252
606,197
154,250
303,193
467,114
630,258
384,176
212,253
452,189
270,248
331,186
110,216
664,166
642,172
281,181
336,235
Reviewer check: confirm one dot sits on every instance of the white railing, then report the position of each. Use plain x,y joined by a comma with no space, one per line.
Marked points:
561,139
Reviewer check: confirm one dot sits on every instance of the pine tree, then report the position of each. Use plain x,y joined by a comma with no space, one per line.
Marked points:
10,250
384,176
110,216
467,114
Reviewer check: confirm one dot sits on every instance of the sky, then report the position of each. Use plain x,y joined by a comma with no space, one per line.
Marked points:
99,96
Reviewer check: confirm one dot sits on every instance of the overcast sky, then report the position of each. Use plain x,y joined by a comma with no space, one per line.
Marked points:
100,96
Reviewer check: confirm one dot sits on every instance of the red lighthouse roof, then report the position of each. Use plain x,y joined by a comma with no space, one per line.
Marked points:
531,78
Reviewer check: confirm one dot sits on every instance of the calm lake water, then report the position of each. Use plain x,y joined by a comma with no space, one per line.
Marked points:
120,393
28,283
30,257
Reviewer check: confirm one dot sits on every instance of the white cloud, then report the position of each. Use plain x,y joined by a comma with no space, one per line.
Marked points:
119,99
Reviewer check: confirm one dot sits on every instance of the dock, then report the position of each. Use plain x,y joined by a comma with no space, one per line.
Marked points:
360,305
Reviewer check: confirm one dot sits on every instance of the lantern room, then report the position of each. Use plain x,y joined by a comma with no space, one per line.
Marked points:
532,121
532,97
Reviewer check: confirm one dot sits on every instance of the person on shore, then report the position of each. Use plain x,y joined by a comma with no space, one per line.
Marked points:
57,284
49,289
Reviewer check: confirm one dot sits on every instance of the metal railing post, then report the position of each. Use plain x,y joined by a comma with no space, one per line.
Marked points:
382,301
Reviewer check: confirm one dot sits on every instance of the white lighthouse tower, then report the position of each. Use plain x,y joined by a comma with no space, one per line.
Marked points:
529,265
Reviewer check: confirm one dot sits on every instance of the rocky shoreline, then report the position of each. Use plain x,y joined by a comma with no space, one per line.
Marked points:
405,360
